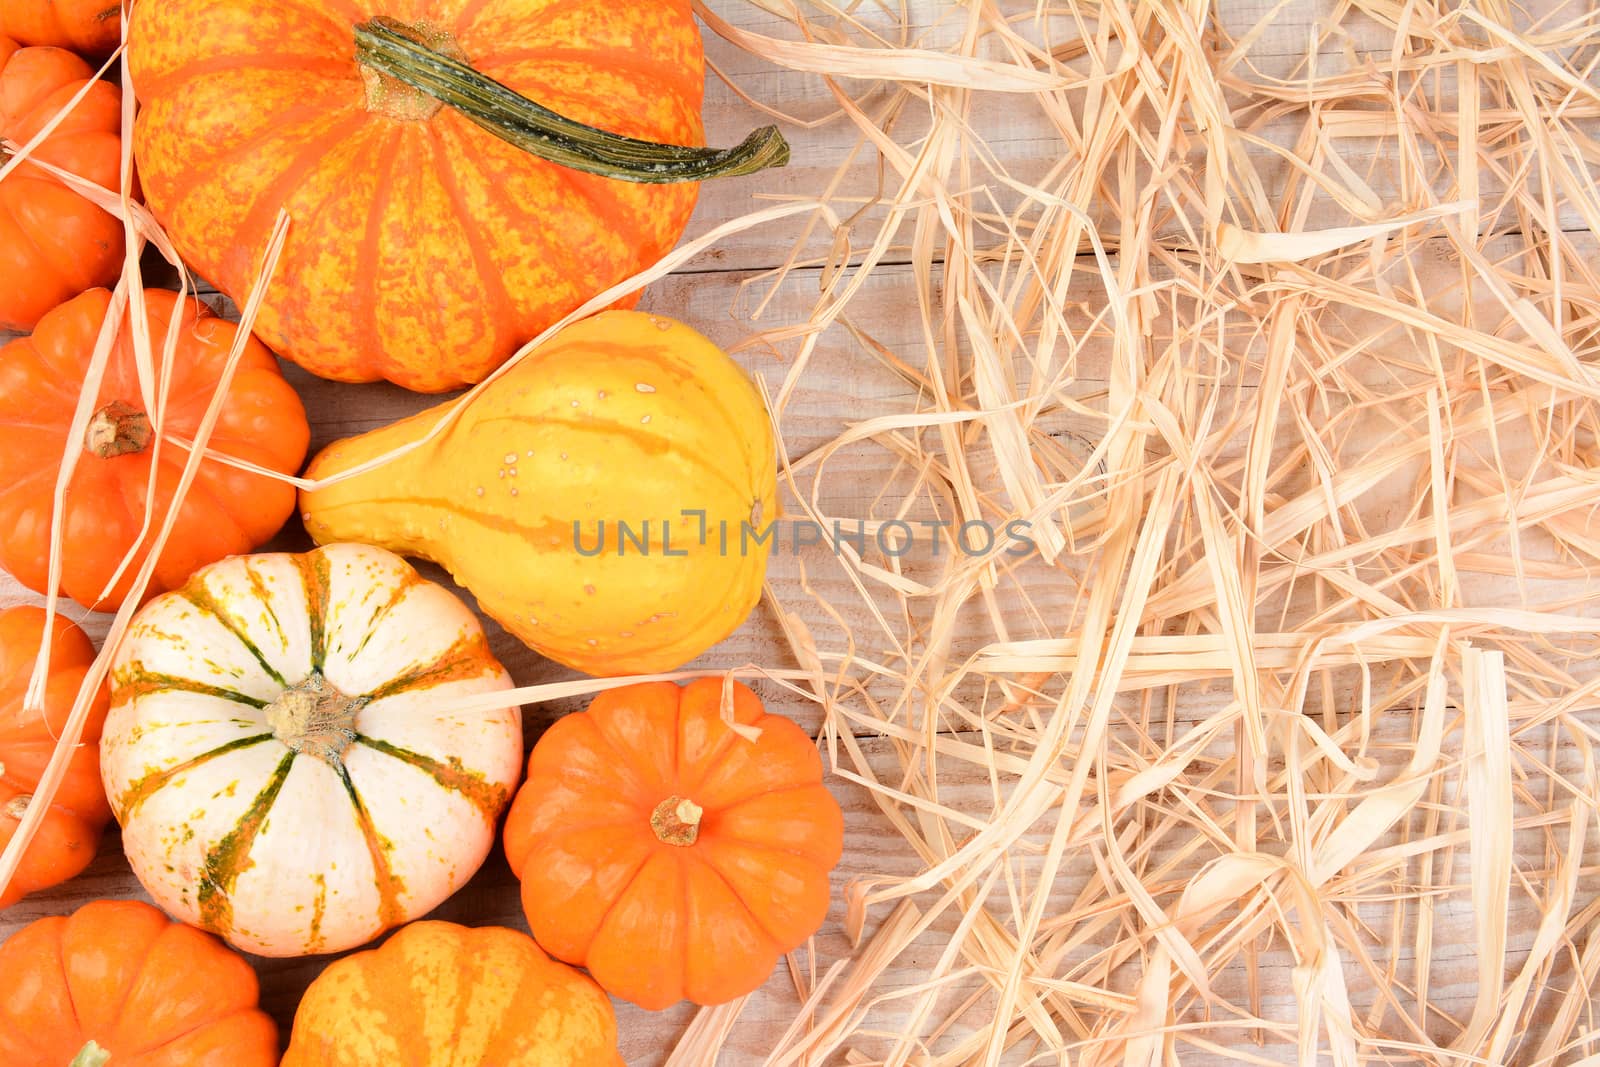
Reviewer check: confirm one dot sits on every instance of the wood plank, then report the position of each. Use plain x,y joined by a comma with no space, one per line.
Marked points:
847,382
1027,145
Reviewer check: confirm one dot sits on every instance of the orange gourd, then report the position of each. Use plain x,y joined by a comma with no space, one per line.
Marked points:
55,243
440,995
226,511
117,984
65,842
92,27
428,243
665,852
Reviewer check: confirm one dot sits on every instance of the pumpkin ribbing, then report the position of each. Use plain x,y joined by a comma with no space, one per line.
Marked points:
54,242
104,516
117,982
66,840
669,854
440,995
274,694
423,251
90,27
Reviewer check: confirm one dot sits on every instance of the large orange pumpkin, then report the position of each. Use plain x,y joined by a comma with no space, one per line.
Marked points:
117,984
54,243
226,511
425,249
65,842
667,853
92,27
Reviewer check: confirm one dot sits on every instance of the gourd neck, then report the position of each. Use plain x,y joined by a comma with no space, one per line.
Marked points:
91,1055
118,429
411,71
676,821
315,718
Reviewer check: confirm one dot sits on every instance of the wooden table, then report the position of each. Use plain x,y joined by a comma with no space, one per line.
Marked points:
725,293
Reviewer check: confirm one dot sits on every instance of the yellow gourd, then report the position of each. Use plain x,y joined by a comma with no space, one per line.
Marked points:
605,499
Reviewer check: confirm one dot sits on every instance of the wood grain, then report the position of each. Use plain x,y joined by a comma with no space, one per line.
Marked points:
849,380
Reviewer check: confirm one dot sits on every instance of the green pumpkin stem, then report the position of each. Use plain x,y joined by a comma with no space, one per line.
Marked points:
383,46
91,1055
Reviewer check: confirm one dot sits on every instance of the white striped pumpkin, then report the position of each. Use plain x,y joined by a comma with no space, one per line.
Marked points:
276,756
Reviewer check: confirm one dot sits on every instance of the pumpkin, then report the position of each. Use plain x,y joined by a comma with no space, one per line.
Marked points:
620,420
226,510
54,243
65,842
117,983
665,852
90,27
429,242
440,995
280,754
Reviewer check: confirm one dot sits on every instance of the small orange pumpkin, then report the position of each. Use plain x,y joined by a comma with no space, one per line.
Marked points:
54,243
227,511
118,983
667,853
66,842
441,995
92,27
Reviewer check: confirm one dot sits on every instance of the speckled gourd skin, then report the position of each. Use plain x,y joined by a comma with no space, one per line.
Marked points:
423,249
441,995
622,416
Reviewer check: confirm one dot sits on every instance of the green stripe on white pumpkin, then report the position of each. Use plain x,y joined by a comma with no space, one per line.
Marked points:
275,754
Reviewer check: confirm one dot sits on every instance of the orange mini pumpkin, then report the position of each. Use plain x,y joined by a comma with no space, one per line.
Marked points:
54,243
667,853
92,27
227,510
118,984
66,841
441,995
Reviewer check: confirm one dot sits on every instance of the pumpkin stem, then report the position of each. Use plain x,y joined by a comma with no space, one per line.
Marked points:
315,718
91,1055
118,429
676,821
391,49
